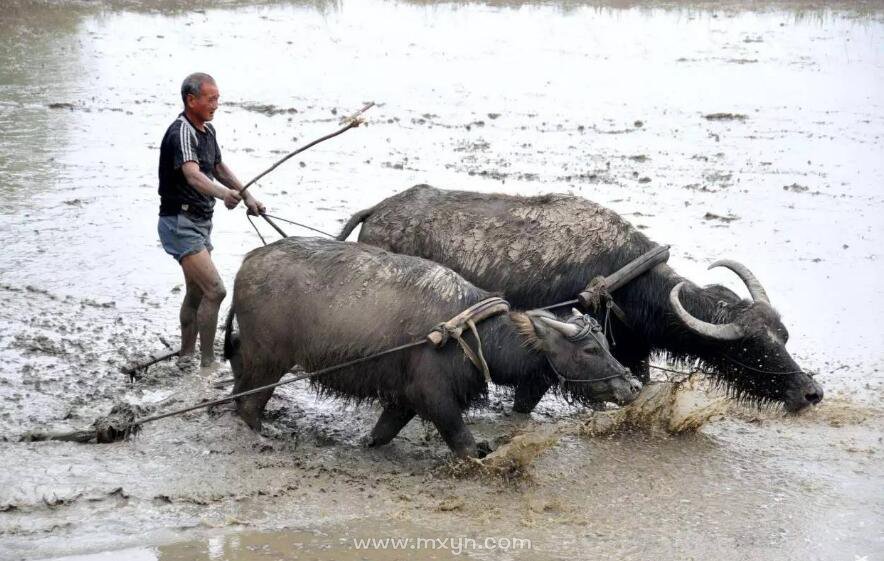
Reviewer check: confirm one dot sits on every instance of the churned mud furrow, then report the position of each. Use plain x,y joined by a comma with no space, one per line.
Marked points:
727,130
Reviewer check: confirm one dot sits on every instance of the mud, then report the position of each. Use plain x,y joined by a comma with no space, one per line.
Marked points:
664,407
766,119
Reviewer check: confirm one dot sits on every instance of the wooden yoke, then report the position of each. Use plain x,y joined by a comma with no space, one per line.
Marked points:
600,288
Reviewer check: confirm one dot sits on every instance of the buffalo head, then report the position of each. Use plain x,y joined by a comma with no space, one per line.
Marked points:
746,342
578,354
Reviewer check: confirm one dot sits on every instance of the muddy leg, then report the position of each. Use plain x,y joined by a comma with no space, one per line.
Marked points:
254,374
448,420
251,408
199,270
392,420
528,394
192,298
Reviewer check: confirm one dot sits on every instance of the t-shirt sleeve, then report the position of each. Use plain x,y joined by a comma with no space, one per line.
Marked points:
217,148
183,147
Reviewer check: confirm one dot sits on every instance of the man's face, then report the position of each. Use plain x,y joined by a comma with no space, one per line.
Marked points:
205,105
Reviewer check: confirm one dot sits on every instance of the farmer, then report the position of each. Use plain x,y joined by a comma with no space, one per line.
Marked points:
190,172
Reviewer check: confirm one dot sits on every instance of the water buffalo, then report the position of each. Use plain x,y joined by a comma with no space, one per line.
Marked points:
541,250
319,303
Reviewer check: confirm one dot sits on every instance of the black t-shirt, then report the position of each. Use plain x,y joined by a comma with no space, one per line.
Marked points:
182,143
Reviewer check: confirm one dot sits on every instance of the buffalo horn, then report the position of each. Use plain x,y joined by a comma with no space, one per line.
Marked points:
723,332
755,289
566,329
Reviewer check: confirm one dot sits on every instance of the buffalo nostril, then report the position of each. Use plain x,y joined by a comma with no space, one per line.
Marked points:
813,398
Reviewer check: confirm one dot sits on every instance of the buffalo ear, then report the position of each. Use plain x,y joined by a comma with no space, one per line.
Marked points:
528,328
541,331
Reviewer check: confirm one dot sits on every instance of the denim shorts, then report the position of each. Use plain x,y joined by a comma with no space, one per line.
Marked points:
183,235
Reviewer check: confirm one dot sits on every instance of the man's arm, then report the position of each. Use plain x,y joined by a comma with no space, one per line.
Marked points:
225,175
199,181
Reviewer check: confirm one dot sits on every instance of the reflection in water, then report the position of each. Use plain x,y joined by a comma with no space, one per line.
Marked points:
605,99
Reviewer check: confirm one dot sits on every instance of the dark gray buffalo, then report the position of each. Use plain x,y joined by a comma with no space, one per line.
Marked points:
542,250
318,303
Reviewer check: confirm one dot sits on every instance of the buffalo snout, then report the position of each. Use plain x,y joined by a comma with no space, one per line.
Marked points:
625,389
805,393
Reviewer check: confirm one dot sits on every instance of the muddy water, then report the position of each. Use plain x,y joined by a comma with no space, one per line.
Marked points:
754,135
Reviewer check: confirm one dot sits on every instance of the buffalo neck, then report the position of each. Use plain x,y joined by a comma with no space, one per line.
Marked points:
646,305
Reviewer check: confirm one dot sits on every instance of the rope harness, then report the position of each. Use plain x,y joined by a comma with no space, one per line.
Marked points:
589,327
596,296
454,328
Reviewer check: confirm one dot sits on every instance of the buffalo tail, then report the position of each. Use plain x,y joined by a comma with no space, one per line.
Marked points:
354,221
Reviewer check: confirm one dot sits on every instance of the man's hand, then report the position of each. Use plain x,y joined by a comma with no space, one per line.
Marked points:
231,199
255,206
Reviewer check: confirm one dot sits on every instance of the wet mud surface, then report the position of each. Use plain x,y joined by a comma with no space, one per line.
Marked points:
753,135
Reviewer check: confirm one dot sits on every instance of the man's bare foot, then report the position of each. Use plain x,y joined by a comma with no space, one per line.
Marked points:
207,360
187,362
211,368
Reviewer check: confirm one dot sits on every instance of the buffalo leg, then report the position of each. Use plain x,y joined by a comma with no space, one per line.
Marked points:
255,374
528,395
392,420
251,408
449,422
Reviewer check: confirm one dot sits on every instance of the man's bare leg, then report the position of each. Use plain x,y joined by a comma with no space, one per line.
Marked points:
199,270
192,298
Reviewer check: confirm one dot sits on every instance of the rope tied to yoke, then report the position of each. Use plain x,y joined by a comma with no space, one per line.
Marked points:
467,319
597,296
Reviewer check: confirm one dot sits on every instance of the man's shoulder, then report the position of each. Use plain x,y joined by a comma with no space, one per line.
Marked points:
174,130
174,127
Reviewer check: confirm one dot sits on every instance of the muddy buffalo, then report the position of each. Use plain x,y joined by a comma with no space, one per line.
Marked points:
318,303
542,250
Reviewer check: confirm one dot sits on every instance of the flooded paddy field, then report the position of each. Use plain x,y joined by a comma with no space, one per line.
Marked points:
753,134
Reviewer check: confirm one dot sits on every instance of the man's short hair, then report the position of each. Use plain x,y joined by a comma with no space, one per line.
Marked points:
193,84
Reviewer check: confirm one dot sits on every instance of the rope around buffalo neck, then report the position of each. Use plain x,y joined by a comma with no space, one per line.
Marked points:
575,380
590,329
477,357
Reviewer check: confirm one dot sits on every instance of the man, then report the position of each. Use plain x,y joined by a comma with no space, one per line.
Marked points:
190,164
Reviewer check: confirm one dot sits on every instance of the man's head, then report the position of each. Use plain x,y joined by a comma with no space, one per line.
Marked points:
200,96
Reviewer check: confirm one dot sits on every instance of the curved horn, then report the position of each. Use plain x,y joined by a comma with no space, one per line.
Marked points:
723,332
566,329
752,283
